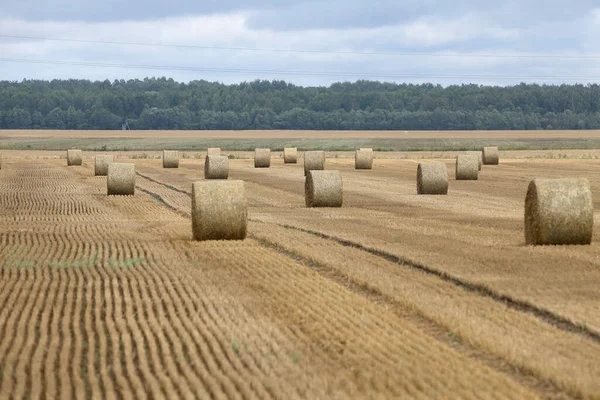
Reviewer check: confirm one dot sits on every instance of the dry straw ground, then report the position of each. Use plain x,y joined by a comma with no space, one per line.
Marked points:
100,293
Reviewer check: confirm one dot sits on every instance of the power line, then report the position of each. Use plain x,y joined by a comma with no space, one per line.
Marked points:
312,51
301,73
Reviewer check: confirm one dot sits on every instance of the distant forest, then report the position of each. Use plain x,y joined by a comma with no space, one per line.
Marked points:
161,103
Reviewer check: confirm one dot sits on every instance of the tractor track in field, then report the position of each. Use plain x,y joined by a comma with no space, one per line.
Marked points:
546,316
543,387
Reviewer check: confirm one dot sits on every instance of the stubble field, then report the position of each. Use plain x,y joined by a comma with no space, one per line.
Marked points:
392,296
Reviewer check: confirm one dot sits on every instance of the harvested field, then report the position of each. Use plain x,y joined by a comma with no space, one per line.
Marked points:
104,293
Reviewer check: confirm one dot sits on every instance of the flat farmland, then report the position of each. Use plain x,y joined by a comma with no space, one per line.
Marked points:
393,295
315,140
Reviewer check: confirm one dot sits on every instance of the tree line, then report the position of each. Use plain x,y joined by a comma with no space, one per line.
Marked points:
161,103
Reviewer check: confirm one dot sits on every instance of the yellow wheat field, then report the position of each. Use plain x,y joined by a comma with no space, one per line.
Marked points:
394,295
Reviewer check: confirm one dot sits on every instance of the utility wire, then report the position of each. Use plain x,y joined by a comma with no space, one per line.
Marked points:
300,73
274,50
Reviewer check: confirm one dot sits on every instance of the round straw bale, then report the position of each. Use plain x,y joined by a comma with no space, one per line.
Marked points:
121,179
323,189
216,167
479,155
559,211
74,157
314,161
290,155
213,151
219,210
0,160
101,164
262,158
363,159
432,178
170,159
467,167
490,156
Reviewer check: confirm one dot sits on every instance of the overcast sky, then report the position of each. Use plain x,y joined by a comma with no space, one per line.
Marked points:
340,29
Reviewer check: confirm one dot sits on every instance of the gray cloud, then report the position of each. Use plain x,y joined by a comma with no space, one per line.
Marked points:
426,26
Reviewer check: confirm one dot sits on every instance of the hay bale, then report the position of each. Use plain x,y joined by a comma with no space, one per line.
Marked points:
363,159
74,157
467,167
170,159
323,189
290,155
262,158
559,211
213,151
101,164
314,161
490,156
432,178
219,210
216,167
121,179
0,160
479,155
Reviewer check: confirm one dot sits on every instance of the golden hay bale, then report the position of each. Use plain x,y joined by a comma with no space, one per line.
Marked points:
490,155
323,189
213,151
559,211
0,160
216,167
290,155
219,210
432,178
74,157
467,167
170,159
101,164
121,179
262,158
314,161
363,159
479,155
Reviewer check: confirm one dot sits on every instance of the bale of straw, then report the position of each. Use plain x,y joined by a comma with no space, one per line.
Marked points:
432,178
170,159
314,161
290,155
74,157
479,155
363,159
490,156
216,167
262,158
559,211
219,210
213,151
467,167
121,179
323,189
101,164
0,160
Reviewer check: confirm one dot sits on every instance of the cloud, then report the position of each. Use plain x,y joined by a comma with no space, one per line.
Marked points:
381,26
